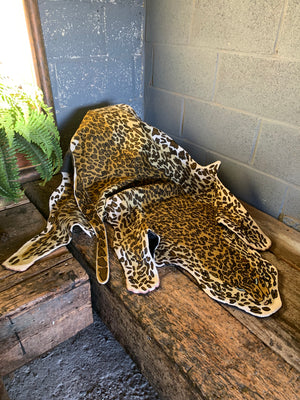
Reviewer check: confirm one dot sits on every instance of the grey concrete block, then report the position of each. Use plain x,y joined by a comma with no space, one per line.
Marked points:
266,87
124,76
72,76
148,53
168,21
95,55
73,28
53,80
135,3
77,29
246,25
81,81
138,77
163,110
84,83
291,207
124,26
278,152
227,132
289,38
260,190
185,70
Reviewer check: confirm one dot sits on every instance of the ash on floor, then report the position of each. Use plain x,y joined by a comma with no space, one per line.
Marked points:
91,365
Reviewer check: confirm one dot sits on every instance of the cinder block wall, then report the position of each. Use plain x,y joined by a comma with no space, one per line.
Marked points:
95,56
223,79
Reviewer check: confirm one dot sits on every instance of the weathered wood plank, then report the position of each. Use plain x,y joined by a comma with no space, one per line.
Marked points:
10,278
43,286
5,204
17,225
37,329
44,305
280,331
155,364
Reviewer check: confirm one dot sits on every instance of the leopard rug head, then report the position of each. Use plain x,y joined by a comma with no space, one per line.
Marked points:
165,210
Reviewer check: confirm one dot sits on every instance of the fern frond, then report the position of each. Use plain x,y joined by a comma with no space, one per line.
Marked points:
10,188
28,126
36,156
39,132
7,122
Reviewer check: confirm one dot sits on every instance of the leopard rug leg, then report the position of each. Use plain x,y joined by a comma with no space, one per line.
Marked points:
64,215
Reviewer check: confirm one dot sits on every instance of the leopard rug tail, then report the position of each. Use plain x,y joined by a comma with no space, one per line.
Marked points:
102,255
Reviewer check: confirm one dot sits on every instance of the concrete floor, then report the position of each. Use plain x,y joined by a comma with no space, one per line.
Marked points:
91,365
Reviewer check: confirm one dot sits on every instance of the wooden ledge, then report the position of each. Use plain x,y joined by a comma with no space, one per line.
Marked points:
191,347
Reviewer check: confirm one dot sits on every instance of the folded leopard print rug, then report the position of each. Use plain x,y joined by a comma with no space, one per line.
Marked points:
165,210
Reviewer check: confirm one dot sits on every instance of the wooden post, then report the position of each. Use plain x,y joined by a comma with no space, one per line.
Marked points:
3,392
36,39
31,10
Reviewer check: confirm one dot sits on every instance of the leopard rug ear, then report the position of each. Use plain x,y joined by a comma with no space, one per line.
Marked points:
233,215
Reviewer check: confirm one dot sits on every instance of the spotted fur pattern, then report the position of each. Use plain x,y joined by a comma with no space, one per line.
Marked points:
165,209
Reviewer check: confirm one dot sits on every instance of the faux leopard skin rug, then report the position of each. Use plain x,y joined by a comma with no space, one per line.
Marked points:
165,210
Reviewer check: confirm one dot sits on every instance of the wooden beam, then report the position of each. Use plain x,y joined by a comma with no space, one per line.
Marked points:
188,345
178,334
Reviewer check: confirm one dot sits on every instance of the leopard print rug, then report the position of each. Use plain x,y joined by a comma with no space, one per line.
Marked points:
165,210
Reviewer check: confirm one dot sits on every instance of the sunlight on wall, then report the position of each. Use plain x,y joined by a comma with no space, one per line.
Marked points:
15,53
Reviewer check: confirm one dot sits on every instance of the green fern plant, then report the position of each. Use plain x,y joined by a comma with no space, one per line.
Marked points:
27,126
